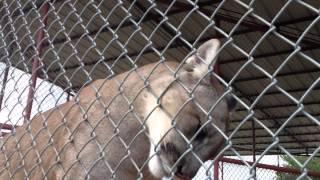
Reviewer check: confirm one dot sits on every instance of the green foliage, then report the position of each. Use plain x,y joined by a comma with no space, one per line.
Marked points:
313,165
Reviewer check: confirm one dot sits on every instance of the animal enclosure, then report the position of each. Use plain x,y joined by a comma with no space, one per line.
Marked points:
268,61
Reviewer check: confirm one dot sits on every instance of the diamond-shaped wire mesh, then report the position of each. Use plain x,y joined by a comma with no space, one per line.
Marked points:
238,170
143,89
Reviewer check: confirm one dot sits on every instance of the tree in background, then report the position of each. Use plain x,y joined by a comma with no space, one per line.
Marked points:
313,165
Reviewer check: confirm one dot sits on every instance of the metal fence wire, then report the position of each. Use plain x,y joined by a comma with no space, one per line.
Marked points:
143,89
227,166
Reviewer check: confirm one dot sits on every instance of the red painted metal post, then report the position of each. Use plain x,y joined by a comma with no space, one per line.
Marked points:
216,169
6,126
271,167
222,170
254,146
3,88
4,83
253,141
35,64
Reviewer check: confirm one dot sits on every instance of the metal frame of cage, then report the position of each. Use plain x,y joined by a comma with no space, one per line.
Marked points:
35,64
219,164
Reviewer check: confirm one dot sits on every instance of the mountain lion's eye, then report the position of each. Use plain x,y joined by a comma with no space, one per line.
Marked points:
201,135
196,128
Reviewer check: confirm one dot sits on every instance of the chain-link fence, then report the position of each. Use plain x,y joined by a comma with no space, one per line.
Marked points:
236,169
143,89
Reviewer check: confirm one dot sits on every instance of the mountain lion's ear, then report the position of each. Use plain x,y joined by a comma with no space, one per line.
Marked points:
205,56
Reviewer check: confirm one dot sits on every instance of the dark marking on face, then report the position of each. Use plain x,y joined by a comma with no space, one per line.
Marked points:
201,135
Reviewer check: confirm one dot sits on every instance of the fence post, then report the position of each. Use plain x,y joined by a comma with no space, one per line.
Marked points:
3,88
254,146
216,170
222,170
35,64
4,83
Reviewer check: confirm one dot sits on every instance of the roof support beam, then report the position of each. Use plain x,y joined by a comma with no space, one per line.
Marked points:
300,90
277,118
280,135
164,24
123,25
276,127
276,123
294,150
266,55
176,45
253,25
313,103
280,142
301,72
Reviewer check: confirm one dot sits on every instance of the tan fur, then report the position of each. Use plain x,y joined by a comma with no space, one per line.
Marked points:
34,138
98,130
